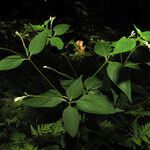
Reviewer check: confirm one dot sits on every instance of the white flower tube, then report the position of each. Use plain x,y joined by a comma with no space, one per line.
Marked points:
18,99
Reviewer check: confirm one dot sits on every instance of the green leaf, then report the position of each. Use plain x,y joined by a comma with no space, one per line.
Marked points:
125,86
102,48
146,35
11,62
138,30
66,83
71,119
75,89
61,29
96,104
132,65
146,139
136,140
49,99
114,70
37,27
57,42
124,45
92,83
38,42
46,23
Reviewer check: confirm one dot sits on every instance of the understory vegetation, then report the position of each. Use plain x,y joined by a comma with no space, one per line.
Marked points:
62,89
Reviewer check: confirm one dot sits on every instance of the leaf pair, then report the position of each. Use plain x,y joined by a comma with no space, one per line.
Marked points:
36,46
52,98
122,45
90,103
77,87
59,29
39,41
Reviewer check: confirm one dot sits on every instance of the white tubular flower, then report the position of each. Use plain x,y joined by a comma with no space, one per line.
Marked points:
17,33
132,33
45,66
18,99
52,18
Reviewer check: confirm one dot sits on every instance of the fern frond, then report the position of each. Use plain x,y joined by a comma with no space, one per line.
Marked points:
18,138
141,133
145,132
54,129
136,128
28,146
139,113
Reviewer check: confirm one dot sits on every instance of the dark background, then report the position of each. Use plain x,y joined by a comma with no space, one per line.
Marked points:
108,11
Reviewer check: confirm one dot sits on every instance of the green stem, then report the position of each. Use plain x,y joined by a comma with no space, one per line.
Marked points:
23,43
63,74
73,70
99,69
42,74
130,54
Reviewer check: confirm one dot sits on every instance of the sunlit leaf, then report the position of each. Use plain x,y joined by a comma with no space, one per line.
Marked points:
46,23
37,27
138,30
132,65
124,45
146,35
38,42
61,29
57,42
102,48
11,62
